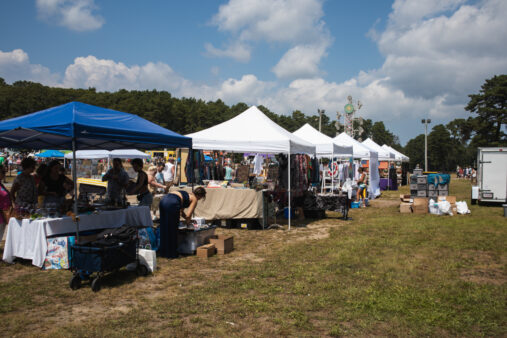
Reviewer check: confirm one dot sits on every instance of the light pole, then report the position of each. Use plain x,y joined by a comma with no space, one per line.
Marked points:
426,121
320,111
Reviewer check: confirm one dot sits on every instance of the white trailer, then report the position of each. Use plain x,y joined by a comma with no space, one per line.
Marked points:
491,176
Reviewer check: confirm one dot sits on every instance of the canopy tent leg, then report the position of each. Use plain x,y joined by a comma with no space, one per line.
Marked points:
289,194
74,179
332,171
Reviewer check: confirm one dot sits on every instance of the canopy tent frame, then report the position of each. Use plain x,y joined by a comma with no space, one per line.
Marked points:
58,124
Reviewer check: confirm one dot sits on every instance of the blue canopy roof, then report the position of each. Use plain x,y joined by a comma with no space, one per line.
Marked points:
50,153
93,128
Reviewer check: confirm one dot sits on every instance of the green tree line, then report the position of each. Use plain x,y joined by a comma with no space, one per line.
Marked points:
182,115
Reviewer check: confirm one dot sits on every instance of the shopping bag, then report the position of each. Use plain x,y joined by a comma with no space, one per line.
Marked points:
148,258
462,208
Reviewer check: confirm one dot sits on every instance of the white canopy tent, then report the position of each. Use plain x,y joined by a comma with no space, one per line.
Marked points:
99,154
252,131
364,152
360,150
325,145
383,154
397,155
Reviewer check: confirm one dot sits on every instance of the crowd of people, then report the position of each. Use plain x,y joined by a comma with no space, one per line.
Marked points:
466,173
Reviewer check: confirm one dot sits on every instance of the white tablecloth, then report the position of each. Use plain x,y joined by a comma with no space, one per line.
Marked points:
27,239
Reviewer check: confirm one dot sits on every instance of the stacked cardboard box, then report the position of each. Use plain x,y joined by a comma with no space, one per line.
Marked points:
406,204
223,243
205,251
420,205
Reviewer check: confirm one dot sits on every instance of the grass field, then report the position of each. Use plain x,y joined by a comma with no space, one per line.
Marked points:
383,273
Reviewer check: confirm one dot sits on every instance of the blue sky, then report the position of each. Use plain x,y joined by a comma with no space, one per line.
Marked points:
404,59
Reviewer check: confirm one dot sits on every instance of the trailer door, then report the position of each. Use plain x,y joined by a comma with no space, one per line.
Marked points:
494,176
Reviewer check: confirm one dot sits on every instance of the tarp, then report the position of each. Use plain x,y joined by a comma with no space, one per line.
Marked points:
397,155
50,154
250,131
325,145
92,127
383,154
98,154
360,150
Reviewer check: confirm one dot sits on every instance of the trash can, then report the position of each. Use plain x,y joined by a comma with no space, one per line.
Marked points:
504,210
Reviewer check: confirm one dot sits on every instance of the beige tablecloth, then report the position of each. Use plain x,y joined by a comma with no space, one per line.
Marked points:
223,203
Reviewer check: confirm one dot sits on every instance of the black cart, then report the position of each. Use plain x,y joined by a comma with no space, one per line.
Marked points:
109,252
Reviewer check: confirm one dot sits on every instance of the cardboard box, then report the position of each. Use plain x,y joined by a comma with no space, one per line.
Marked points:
405,208
223,243
450,199
406,198
443,193
413,186
431,187
420,205
205,251
443,187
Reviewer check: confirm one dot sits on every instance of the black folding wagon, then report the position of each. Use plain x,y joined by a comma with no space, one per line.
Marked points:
111,250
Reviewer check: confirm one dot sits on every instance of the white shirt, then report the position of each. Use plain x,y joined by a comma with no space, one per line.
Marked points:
168,173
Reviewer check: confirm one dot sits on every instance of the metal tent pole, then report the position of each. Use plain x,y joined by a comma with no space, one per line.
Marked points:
289,194
332,170
74,179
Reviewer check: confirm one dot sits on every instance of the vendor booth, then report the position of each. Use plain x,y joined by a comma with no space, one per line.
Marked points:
388,181
252,131
328,148
78,126
364,152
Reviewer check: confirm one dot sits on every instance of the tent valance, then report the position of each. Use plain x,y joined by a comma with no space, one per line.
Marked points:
99,154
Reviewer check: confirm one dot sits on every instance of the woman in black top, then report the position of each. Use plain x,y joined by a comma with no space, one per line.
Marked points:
172,206
144,195
54,185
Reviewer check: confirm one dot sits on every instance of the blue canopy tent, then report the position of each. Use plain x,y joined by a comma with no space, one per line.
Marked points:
80,126
50,154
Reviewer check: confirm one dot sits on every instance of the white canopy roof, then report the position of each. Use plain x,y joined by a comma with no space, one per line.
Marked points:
360,150
325,145
250,131
383,154
98,154
397,155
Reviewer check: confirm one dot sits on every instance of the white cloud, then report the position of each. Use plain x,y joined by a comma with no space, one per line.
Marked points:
108,75
444,54
433,60
237,51
247,89
74,14
296,23
301,61
16,66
